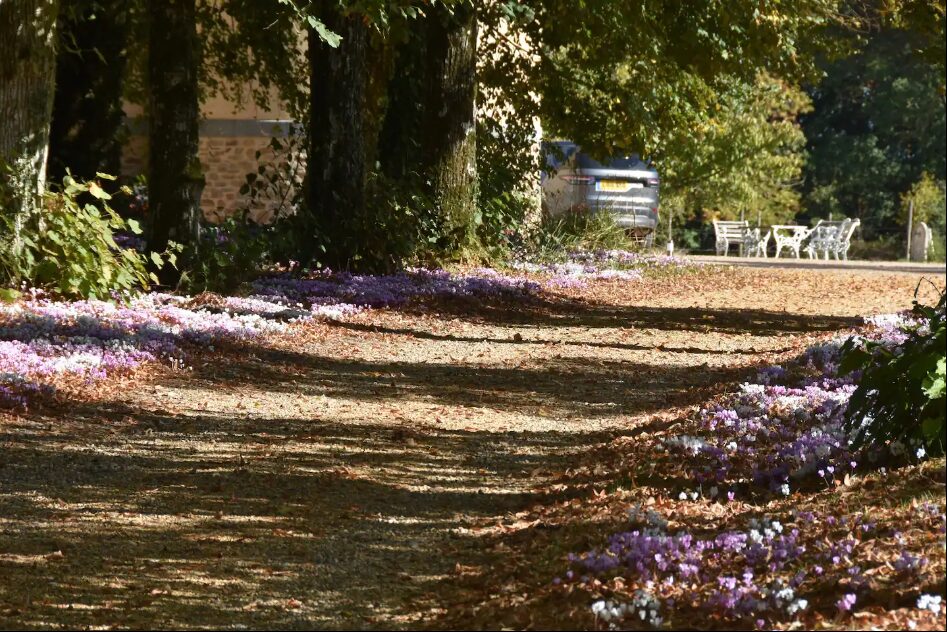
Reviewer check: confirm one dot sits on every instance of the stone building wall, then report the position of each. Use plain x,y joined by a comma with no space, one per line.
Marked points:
227,150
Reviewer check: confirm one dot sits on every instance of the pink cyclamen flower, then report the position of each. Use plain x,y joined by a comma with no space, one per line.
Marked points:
846,603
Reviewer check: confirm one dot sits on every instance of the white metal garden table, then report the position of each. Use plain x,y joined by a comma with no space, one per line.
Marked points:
789,236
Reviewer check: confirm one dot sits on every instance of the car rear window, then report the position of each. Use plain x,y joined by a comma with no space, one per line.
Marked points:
558,153
584,161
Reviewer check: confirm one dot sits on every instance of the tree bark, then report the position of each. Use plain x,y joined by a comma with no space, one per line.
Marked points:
175,177
27,85
337,169
85,136
450,139
430,123
401,134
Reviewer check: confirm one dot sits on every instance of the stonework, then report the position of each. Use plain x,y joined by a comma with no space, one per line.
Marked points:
228,153
921,241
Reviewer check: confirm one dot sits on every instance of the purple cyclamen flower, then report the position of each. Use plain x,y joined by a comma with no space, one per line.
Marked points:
846,603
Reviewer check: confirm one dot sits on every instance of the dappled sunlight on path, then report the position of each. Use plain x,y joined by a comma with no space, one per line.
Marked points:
337,476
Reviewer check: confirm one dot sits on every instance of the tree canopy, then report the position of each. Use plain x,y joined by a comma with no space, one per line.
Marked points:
420,118
877,124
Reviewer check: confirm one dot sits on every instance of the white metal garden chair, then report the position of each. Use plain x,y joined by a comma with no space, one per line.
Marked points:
843,240
824,234
754,244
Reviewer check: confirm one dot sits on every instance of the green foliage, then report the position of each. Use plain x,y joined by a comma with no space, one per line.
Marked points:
744,157
87,128
929,202
627,75
70,249
930,205
883,248
231,253
926,19
277,182
262,232
252,51
400,226
878,123
508,168
900,396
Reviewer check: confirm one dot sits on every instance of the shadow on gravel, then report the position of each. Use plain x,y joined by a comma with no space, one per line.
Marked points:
112,516
118,517
427,335
567,312
569,387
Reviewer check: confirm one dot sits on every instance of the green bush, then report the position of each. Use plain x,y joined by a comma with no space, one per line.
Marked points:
69,246
900,396
938,251
230,254
928,200
885,248
509,199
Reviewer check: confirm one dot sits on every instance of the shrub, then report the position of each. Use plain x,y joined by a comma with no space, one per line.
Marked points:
928,199
884,248
900,397
231,252
508,166
69,247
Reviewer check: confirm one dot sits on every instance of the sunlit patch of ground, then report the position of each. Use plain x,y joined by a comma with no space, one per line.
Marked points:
385,470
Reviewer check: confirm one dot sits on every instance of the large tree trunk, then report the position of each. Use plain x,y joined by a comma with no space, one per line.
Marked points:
27,84
449,143
175,178
430,123
90,69
339,128
400,138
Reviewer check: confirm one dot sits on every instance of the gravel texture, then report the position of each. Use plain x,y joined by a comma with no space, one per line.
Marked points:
337,476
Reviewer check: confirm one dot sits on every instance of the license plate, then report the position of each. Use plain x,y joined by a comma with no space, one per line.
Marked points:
612,185
619,186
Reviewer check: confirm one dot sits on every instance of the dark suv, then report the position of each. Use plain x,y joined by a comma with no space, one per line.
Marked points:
625,186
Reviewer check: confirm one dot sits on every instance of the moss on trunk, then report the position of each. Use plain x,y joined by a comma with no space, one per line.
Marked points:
27,85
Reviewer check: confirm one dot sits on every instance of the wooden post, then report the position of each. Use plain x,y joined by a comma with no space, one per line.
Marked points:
742,219
910,227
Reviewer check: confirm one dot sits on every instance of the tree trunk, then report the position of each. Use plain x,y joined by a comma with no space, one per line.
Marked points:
175,178
429,135
85,136
450,139
337,173
401,134
27,84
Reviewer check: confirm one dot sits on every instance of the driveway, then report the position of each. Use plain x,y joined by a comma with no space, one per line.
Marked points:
911,267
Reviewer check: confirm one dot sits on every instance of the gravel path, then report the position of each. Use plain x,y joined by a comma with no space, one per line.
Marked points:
804,263
334,478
